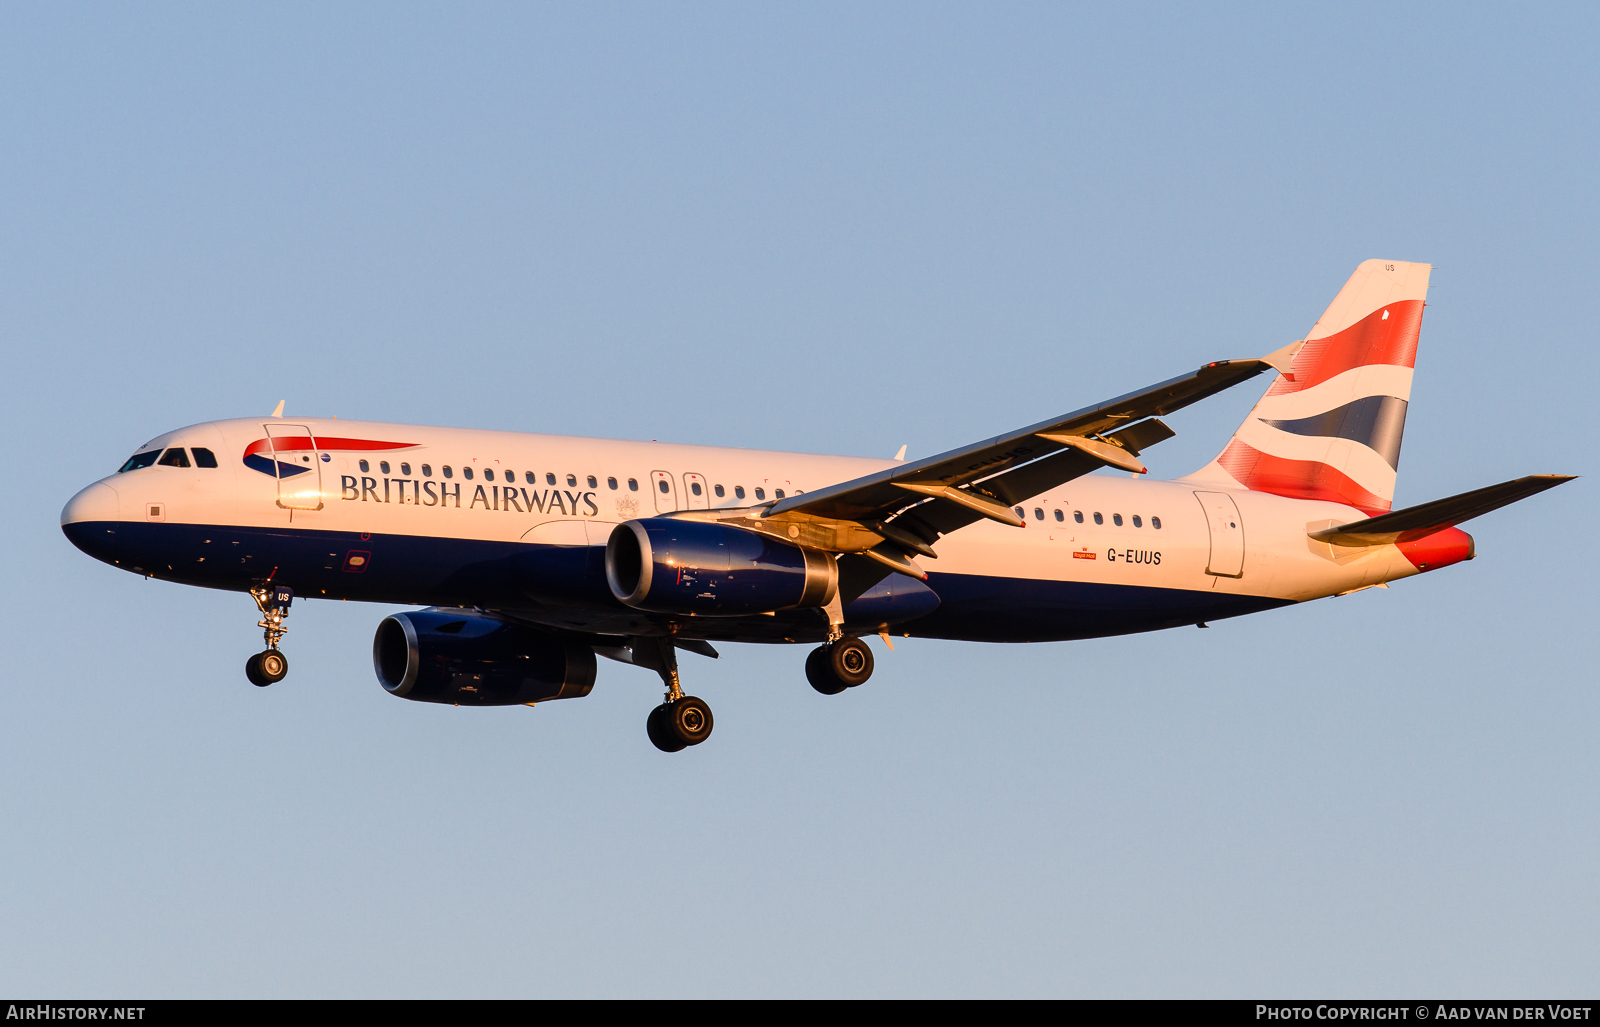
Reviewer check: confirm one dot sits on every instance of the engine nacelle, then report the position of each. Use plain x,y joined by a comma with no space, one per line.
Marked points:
468,659
666,565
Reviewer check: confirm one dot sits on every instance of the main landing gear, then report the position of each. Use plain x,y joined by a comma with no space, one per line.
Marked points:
840,664
270,665
681,720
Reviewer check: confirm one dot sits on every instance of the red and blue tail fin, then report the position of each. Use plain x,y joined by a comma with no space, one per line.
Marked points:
1330,427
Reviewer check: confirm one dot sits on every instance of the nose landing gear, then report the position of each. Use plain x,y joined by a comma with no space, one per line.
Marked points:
838,665
270,665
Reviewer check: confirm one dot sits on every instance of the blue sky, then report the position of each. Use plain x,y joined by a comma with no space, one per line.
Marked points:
830,229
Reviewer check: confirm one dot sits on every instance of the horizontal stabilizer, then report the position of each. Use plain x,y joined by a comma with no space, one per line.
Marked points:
1416,522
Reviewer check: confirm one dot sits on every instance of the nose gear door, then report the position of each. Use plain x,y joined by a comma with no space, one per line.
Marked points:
1227,534
295,456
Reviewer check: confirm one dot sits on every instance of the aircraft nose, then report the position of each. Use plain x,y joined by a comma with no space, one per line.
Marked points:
98,502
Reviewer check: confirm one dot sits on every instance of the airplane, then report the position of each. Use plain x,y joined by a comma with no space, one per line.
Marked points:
532,554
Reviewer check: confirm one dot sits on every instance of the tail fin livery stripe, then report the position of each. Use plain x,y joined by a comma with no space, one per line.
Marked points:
1388,335
1297,479
1359,463
1376,422
1357,383
1330,427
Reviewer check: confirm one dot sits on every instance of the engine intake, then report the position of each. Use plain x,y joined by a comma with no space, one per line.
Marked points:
666,565
468,659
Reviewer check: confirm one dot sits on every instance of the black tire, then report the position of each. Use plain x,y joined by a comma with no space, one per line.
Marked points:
690,720
661,735
820,674
274,665
850,660
266,667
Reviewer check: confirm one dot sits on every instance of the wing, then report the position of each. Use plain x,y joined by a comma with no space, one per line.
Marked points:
1024,462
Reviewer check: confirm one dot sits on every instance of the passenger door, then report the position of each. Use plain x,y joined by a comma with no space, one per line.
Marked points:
299,469
665,490
1227,534
696,493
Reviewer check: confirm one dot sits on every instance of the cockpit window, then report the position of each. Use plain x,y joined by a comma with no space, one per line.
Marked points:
175,457
203,457
139,460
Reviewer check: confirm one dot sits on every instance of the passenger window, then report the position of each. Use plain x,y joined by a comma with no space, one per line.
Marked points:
611,483
447,471
761,493
778,493
368,470
694,487
1155,522
663,485
1059,515
1116,519
427,471
1038,513
633,484
488,474
1021,512
718,491
1137,522
1098,519
593,483
175,458
1077,515
405,469
466,472
738,491
139,461
572,481
204,457
530,477
383,467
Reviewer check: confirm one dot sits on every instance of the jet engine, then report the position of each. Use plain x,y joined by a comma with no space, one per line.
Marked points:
467,659
666,565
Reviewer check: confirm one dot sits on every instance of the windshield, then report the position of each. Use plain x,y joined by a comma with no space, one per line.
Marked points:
139,460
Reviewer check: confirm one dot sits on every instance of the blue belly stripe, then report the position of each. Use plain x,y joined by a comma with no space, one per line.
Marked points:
570,581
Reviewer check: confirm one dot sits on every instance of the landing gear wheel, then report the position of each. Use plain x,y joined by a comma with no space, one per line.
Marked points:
820,674
689,719
661,734
266,667
850,660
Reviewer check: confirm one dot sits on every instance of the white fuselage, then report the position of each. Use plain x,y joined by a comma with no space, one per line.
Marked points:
510,488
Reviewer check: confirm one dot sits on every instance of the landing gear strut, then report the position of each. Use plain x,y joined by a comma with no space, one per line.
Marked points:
270,665
681,720
838,665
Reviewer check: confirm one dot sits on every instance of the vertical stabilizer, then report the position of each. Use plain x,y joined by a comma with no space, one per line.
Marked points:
1330,427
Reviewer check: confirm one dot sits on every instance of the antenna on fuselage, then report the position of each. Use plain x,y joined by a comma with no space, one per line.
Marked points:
277,411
